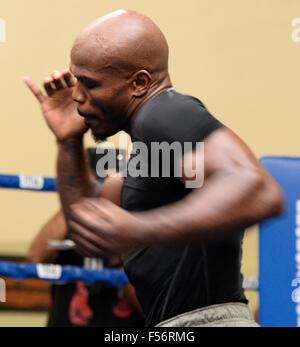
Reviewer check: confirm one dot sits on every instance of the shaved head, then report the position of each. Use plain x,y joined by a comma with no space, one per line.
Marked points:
120,61
123,40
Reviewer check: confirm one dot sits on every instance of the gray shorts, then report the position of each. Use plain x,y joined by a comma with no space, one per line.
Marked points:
225,315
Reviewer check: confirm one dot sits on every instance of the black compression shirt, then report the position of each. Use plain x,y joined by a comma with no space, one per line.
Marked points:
174,279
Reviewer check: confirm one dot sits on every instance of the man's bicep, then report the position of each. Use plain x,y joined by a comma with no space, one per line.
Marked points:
225,148
222,150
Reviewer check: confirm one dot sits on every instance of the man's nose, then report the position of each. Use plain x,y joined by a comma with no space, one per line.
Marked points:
78,95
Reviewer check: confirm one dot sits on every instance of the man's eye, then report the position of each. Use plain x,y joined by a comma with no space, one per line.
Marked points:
87,83
90,85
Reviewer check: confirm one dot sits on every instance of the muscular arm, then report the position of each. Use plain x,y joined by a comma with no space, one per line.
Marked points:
74,180
60,113
237,193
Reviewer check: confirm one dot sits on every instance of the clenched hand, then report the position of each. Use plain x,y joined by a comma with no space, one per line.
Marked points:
99,227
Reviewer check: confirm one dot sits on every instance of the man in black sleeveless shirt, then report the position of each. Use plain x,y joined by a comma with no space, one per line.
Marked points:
181,242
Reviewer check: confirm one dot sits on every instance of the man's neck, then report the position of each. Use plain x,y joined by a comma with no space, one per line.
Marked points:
154,90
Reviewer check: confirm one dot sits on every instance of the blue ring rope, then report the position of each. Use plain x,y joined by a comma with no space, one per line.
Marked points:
65,274
62,274
30,183
33,183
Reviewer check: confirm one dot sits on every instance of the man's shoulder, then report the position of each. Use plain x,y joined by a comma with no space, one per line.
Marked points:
171,116
169,103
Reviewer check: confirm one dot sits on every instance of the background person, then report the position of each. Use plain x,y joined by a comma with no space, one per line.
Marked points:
77,304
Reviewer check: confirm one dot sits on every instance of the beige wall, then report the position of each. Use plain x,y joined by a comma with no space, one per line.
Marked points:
237,56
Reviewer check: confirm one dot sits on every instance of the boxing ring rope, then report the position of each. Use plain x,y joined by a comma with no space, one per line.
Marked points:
23,182
64,274
31,183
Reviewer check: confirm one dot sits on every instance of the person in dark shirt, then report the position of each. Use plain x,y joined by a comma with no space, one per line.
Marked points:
77,304
205,272
180,239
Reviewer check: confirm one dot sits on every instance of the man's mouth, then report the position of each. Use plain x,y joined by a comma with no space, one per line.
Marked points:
87,116
89,120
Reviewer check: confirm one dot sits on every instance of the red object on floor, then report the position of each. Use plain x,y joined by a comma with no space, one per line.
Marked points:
122,309
80,312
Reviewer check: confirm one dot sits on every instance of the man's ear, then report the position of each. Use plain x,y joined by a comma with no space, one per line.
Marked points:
141,81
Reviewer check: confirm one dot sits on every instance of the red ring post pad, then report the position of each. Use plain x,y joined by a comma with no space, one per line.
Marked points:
62,274
279,250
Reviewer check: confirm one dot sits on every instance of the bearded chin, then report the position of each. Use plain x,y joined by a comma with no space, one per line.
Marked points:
119,125
99,139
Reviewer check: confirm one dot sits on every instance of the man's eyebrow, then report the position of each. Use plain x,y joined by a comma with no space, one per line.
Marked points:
87,81
83,78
